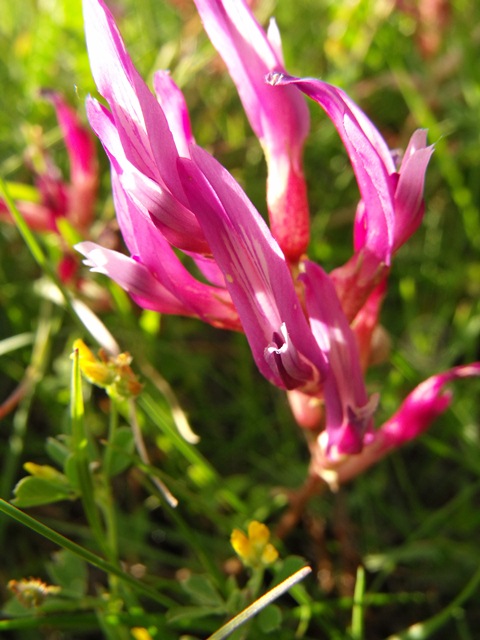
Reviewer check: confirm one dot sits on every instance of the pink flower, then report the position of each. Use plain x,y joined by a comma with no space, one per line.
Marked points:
256,275
73,200
391,206
169,193
82,188
420,408
280,119
136,134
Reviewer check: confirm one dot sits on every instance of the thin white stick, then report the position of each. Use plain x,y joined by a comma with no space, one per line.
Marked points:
259,604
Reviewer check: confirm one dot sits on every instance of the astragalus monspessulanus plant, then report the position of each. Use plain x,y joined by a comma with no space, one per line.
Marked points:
310,332
185,529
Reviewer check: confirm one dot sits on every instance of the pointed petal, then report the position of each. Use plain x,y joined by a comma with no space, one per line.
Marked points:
147,244
421,407
348,411
279,118
175,109
425,403
256,275
173,291
249,56
409,205
176,222
134,277
141,123
370,158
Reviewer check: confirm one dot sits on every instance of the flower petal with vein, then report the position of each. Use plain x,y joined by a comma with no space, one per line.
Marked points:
311,333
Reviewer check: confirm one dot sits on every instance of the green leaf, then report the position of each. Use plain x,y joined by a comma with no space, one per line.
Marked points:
177,614
32,492
46,472
270,618
58,451
202,591
71,470
69,572
122,447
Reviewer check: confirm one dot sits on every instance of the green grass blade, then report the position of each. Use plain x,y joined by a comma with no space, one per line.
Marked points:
81,552
358,605
80,442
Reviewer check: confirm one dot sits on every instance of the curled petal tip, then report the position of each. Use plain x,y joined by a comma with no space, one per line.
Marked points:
275,77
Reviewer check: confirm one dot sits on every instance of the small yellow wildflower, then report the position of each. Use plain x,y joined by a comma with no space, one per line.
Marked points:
31,592
140,633
112,373
94,369
254,549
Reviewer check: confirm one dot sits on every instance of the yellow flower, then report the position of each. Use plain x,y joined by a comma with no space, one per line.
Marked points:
112,373
254,549
140,633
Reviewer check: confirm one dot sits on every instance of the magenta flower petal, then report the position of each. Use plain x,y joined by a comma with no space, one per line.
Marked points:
137,280
368,153
145,242
78,140
256,275
280,119
176,222
348,410
173,106
172,291
409,205
287,363
391,205
421,407
142,126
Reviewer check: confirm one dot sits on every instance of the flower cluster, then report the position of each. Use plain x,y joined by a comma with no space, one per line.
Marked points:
255,549
112,373
57,199
310,332
54,199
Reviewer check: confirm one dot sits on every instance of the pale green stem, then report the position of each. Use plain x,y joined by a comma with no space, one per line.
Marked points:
80,447
358,610
107,502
